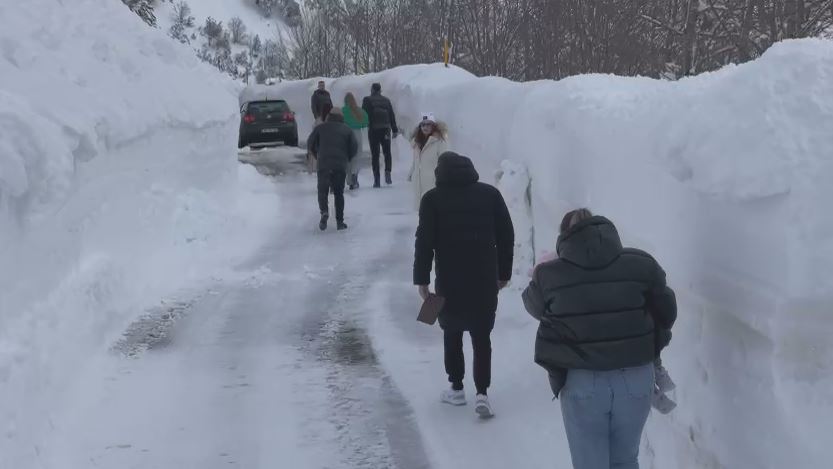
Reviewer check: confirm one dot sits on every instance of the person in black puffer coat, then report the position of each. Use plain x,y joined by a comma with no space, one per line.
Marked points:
605,312
465,225
382,121
334,145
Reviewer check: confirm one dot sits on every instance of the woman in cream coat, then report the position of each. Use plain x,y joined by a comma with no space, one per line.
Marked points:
429,141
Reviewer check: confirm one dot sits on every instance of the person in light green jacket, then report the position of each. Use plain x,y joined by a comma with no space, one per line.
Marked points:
356,118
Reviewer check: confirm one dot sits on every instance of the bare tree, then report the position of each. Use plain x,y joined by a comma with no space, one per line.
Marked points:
237,30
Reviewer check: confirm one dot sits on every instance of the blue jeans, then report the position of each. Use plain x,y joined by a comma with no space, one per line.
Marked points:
604,414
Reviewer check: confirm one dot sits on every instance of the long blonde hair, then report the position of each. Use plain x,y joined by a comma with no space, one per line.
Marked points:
350,102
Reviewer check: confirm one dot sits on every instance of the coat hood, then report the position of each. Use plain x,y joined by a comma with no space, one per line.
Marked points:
591,243
455,170
440,132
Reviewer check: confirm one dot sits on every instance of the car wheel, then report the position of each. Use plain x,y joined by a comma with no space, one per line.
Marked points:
292,142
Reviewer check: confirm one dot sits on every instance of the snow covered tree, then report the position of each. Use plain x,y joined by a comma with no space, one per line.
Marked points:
223,43
267,6
182,20
275,59
179,33
238,30
143,8
212,29
241,59
292,13
256,46
182,15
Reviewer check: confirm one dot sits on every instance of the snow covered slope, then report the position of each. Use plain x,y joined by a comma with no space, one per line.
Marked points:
225,10
119,187
725,177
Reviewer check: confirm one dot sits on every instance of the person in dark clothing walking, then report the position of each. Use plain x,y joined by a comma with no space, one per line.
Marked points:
382,121
335,146
320,99
605,312
465,225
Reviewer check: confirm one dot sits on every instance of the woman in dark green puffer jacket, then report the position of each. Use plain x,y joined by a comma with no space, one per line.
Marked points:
356,118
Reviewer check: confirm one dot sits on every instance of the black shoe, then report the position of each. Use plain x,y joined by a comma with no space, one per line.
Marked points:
341,226
388,180
376,185
322,225
356,181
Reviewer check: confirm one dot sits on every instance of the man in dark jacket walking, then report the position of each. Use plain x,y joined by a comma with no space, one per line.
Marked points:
465,225
335,146
605,312
382,121
320,99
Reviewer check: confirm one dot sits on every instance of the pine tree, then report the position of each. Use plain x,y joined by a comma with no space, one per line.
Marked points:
256,46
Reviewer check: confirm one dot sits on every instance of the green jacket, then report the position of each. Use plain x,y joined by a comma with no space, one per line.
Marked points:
351,122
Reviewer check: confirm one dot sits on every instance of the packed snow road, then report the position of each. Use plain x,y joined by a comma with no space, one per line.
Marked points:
274,369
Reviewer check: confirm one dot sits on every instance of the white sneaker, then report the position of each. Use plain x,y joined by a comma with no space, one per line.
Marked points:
450,396
661,402
482,407
663,379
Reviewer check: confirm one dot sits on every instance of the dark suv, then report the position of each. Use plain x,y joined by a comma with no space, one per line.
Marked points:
267,124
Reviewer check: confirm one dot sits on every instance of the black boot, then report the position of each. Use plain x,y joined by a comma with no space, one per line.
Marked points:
322,225
388,179
356,181
341,226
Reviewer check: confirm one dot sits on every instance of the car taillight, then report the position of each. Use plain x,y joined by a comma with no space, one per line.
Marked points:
248,118
288,116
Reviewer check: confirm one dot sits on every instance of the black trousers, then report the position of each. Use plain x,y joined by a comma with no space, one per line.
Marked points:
455,362
335,180
379,138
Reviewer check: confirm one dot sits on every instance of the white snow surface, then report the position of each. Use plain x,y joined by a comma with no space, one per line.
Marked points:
119,188
724,177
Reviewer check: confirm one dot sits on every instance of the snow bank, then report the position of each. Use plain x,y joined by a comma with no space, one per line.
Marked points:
725,178
119,187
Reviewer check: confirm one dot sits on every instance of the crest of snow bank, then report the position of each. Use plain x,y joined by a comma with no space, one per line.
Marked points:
749,131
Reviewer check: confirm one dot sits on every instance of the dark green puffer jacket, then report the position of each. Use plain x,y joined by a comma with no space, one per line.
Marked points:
601,306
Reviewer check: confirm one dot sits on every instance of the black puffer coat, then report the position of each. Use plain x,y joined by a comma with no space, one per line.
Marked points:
601,306
467,225
333,143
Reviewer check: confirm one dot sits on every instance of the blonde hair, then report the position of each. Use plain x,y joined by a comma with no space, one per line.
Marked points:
351,103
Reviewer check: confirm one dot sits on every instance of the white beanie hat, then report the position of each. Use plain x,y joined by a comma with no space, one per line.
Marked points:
428,117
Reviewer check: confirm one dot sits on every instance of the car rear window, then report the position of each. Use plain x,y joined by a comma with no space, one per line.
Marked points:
268,107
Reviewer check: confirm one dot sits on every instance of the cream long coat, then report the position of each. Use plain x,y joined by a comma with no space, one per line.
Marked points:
425,162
